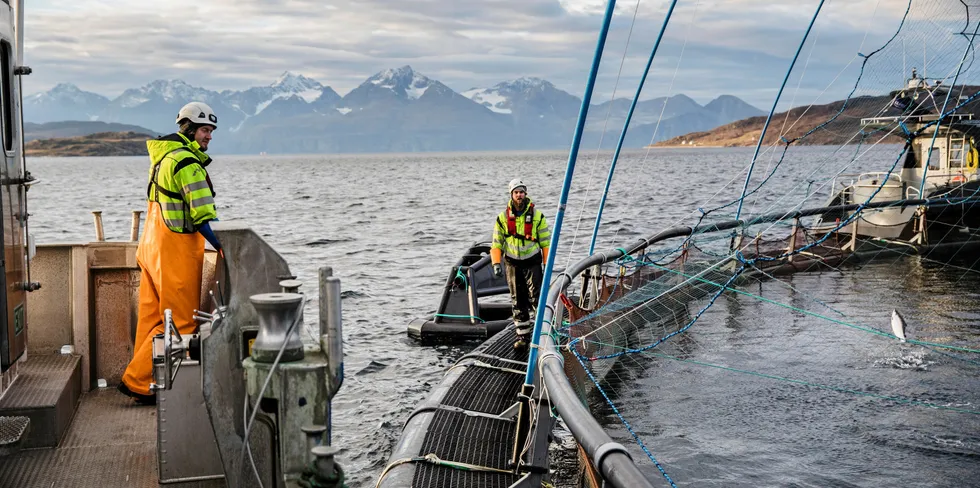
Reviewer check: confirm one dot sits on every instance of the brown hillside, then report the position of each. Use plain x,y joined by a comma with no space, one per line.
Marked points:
100,144
841,131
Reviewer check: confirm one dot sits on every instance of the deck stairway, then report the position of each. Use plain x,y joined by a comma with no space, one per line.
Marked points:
46,393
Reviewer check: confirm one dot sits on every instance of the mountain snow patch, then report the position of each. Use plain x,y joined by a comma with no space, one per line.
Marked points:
403,81
414,92
344,110
489,98
133,101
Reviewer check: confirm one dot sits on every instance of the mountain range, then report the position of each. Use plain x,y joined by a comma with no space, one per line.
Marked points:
394,110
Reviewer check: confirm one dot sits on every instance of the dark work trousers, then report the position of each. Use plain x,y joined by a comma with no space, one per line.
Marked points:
524,281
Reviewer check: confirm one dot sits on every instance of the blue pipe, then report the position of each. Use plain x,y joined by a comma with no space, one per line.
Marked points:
532,361
629,117
942,113
775,102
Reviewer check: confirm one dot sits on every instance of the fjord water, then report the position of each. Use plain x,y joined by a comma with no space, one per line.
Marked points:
392,225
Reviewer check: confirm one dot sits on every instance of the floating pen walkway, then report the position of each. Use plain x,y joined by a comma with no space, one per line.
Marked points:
463,434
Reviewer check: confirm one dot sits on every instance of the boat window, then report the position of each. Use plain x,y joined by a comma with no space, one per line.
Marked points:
911,161
933,159
956,156
6,96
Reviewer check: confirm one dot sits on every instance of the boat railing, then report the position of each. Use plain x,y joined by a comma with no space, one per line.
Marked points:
880,122
845,181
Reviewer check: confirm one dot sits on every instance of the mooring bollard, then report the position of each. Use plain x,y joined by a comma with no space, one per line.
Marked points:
134,233
99,232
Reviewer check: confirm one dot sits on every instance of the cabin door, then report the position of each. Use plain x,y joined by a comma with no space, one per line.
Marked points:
13,212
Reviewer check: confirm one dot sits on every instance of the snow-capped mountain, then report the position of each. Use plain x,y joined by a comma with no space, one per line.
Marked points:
404,82
394,110
168,91
155,105
526,98
254,100
391,86
64,102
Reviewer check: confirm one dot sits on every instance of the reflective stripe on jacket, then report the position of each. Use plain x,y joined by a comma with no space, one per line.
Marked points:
519,246
179,183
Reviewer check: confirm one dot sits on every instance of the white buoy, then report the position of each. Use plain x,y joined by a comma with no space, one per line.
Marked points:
898,325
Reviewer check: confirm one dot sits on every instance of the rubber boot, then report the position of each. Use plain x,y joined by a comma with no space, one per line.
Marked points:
523,330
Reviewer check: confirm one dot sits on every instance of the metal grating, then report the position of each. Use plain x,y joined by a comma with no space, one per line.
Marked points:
481,441
502,345
12,429
484,390
111,442
431,476
41,382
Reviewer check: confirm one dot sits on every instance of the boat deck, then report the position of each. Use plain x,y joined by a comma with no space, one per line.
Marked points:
111,443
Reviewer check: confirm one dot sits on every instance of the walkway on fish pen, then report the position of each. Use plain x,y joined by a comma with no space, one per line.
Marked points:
464,433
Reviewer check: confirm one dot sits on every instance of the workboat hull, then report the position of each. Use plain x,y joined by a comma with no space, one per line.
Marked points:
475,304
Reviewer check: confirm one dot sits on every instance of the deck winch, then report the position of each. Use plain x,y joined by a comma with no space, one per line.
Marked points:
266,400
278,314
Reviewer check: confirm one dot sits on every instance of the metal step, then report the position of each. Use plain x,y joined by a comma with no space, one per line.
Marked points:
46,391
12,430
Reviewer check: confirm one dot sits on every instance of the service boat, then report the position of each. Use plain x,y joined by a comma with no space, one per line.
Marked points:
932,195
241,402
468,309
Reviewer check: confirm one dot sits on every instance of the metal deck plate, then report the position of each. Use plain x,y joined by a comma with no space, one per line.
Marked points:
111,443
41,382
46,391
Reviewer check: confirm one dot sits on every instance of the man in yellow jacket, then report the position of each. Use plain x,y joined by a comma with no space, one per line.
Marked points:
180,201
520,240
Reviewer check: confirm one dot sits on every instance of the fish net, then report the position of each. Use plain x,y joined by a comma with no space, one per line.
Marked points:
788,339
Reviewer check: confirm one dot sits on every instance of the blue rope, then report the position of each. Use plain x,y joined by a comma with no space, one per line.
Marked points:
775,102
859,77
949,92
532,361
787,143
676,332
622,419
629,117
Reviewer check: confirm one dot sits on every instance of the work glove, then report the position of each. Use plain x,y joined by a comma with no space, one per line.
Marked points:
498,272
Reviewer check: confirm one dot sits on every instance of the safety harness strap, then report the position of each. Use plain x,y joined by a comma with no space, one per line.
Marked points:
528,223
156,171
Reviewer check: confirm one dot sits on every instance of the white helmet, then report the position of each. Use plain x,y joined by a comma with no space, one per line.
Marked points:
199,113
515,184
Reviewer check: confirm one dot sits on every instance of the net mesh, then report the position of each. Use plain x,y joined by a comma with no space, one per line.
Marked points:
837,346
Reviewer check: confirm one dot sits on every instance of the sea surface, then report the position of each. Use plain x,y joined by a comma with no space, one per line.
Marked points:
392,225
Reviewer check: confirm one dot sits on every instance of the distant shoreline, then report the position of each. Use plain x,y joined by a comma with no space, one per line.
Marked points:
689,146
102,144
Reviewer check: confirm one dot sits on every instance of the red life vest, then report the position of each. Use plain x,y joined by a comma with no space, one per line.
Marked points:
528,223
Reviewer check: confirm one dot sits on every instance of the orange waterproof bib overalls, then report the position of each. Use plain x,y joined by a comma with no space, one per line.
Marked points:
171,265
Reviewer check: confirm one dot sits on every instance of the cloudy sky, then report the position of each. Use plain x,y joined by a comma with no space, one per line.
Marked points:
712,47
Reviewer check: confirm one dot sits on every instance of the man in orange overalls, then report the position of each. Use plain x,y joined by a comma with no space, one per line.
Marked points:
180,207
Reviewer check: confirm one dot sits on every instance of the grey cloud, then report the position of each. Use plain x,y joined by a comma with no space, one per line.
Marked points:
739,47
